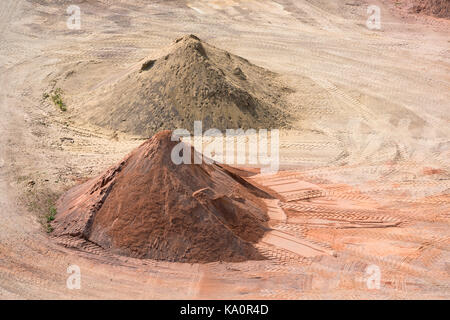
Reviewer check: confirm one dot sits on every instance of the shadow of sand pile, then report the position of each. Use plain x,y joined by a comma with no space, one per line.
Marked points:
192,80
149,207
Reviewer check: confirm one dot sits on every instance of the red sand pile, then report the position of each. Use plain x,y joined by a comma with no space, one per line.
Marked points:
149,207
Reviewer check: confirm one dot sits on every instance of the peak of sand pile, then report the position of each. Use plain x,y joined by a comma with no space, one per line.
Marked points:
148,207
190,81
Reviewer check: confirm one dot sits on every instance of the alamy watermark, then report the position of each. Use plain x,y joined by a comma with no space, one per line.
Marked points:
373,280
234,147
374,20
74,20
74,280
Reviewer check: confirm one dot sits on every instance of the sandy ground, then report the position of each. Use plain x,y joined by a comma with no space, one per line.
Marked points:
365,178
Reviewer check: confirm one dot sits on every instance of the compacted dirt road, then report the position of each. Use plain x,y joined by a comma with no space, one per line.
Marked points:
362,201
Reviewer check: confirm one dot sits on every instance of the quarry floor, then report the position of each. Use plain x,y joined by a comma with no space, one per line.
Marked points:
351,201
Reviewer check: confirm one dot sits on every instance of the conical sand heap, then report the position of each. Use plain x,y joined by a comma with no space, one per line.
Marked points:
190,81
149,207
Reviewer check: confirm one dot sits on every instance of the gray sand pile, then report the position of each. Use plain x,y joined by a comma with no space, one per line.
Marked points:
191,81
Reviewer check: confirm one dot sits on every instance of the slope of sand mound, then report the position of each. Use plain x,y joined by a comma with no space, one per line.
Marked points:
148,207
190,81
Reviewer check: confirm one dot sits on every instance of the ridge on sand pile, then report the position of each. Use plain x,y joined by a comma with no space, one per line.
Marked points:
148,207
191,81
